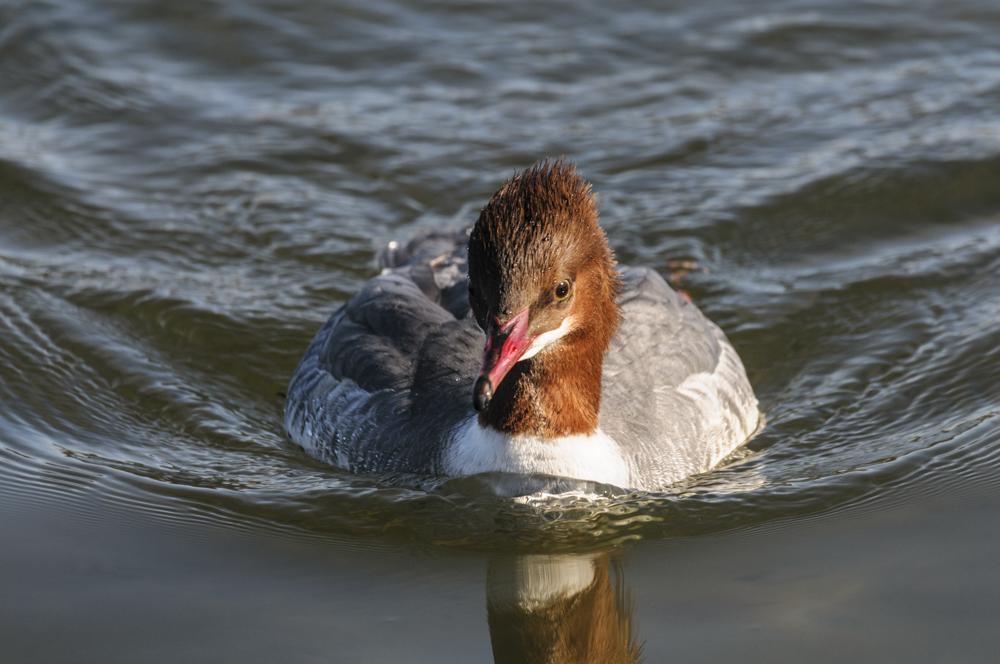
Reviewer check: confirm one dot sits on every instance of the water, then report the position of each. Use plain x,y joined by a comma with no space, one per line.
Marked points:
187,192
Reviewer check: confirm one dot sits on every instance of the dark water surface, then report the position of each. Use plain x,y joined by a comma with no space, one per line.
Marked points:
188,190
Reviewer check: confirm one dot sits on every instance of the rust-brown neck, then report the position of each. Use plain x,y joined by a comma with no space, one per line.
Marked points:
554,394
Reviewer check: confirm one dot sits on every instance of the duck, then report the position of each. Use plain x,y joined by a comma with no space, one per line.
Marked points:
520,347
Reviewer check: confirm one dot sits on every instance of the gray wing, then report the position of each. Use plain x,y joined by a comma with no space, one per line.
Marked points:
390,374
437,261
674,395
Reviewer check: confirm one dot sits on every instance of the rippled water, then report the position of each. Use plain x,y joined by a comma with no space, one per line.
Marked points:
188,191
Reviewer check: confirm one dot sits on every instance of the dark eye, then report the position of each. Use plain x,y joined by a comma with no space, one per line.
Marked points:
472,289
562,290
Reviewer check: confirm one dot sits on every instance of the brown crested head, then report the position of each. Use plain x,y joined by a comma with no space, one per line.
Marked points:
541,276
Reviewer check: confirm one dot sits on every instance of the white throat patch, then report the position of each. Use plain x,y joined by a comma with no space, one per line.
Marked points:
546,338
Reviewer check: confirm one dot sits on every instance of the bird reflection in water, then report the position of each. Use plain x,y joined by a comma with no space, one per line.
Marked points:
559,609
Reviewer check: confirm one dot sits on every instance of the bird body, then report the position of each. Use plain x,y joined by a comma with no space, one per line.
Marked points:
521,347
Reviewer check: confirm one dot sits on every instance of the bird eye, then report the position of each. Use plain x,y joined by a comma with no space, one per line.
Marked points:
562,290
472,289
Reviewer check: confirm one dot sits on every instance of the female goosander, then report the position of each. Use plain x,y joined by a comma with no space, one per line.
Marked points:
519,347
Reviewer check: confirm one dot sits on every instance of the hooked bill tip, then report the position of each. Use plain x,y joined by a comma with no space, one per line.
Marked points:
482,392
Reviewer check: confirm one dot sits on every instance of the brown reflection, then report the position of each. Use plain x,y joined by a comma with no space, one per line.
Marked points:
559,609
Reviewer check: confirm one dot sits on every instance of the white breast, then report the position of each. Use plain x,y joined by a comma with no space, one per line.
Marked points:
475,449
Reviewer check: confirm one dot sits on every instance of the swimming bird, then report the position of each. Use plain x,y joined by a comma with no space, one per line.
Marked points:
521,347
